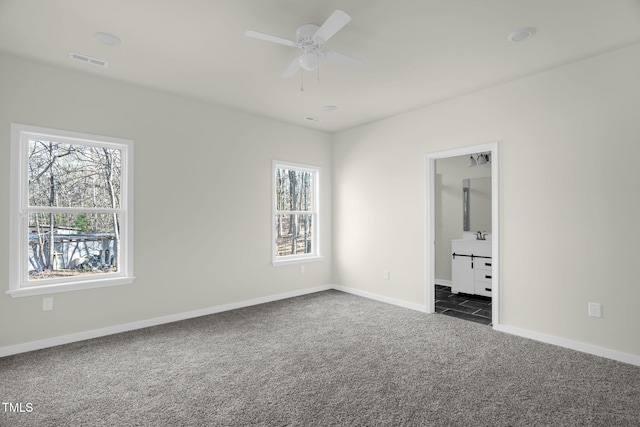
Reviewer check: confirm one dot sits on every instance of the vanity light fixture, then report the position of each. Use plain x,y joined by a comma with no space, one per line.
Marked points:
479,159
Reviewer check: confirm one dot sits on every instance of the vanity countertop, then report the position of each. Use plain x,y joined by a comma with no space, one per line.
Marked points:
472,247
472,241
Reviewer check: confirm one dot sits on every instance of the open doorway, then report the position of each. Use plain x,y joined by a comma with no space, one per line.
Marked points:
460,260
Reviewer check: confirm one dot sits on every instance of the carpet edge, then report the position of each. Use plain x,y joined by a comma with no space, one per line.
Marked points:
140,324
570,344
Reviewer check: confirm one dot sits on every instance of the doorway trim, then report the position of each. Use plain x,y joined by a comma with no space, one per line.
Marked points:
495,222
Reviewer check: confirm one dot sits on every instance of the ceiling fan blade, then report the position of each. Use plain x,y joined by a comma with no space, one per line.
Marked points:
292,69
269,38
343,59
332,25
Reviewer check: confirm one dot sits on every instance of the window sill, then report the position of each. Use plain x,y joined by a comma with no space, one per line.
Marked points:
66,287
289,261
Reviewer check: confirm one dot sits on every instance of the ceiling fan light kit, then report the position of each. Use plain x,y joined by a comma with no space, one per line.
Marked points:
310,38
309,59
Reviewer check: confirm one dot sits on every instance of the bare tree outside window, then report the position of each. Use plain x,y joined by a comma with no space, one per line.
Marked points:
73,197
294,213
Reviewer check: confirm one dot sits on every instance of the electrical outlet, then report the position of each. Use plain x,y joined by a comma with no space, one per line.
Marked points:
302,269
595,309
47,304
387,275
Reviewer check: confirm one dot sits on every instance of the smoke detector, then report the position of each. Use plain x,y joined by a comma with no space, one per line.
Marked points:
107,39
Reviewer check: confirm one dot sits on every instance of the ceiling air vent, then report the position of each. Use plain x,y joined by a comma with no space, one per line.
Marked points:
88,60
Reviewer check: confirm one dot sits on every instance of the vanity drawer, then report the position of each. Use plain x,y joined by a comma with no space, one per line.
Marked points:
483,276
482,264
483,288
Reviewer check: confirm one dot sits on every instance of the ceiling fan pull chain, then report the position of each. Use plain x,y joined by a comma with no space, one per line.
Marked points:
301,80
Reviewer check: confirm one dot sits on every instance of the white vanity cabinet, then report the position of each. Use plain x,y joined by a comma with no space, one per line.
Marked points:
471,267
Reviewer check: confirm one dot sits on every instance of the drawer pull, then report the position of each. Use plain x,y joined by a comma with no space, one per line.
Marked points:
487,289
488,264
487,277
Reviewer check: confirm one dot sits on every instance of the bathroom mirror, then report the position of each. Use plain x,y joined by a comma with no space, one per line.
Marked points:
476,204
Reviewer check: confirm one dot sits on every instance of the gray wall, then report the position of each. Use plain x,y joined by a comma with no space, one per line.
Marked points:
202,199
569,203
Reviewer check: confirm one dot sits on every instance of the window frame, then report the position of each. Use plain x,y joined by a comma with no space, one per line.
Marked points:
315,254
19,284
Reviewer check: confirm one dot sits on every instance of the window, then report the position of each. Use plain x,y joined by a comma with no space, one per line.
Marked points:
71,211
295,213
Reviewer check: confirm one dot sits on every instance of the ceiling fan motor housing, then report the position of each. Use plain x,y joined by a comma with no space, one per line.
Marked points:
304,37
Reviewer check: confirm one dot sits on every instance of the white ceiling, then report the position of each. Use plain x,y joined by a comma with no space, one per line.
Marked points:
417,52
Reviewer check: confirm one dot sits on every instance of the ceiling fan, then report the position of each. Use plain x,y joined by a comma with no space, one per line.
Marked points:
310,38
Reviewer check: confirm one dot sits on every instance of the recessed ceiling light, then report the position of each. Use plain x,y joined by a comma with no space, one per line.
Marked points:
313,119
522,34
329,108
107,39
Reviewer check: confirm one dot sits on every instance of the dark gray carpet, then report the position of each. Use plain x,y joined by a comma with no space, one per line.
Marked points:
318,360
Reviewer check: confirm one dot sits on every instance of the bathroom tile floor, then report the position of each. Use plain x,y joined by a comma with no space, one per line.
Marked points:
475,308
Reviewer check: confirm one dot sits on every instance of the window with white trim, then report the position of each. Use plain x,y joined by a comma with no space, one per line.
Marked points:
71,211
295,213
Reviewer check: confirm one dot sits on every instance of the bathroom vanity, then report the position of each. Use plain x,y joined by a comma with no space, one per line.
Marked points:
471,266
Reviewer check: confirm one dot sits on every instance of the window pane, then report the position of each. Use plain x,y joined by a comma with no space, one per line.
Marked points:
294,190
293,234
83,243
66,175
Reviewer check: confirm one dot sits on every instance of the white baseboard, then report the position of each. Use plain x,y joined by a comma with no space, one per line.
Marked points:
549,339
376,297
443,282
96,333
110,330
573,345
